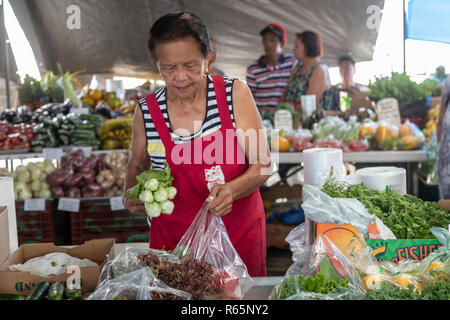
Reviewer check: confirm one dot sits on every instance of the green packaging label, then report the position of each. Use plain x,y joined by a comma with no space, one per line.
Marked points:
396,250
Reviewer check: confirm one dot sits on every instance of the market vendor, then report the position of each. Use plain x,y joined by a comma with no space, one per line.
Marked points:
197,111
347,70
267,77
443,138
311,77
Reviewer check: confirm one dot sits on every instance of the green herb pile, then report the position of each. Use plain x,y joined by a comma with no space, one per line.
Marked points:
401,87
439,291
294,284
407,216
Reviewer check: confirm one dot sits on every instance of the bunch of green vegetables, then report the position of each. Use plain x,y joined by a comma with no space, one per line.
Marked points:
401,87
317,284
338,128
270,115
85,133
45,290
155,189
438,291
407,216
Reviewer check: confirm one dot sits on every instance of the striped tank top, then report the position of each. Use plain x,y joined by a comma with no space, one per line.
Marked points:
211,122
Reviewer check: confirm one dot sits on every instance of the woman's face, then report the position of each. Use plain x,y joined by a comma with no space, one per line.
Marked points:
299,49
182,65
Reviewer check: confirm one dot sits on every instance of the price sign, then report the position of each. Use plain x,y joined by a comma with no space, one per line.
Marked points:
116,203
69,204
283,120
34,204
388,110
52,153
79,110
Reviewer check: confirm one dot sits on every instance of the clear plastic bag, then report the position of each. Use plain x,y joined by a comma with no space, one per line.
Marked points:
206,240
128,261
323,273
140,284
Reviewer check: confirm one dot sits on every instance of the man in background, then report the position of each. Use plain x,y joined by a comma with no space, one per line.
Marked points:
267,77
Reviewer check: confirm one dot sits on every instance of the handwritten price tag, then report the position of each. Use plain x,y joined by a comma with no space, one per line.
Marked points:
34,205
79,110
52,153
116,203
69,204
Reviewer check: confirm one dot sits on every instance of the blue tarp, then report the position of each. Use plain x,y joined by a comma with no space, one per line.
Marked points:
428,20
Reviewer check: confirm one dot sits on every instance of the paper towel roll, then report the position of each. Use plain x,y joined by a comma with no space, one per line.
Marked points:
318,163
382,178
7,199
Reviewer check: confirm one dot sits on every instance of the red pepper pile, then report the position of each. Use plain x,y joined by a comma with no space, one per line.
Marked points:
15,137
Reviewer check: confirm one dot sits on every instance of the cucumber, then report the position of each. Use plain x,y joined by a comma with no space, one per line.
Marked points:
56,291
39,291
11,296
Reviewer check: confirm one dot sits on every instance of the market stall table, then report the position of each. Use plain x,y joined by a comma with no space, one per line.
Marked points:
407,158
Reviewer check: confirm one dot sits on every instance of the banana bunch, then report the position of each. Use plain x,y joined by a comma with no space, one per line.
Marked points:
128,109
115,133
432,120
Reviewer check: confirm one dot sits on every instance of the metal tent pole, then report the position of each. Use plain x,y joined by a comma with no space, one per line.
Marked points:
3,26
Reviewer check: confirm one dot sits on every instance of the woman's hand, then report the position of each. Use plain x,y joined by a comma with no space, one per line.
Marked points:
222,200
135,206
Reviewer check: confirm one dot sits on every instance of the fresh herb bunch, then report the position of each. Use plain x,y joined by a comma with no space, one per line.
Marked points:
439,291
317,284
406,215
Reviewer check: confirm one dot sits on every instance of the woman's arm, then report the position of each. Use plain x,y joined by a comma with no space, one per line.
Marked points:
443,106
252,139
318,83
138,162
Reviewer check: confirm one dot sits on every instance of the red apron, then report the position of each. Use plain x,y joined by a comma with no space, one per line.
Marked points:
192,164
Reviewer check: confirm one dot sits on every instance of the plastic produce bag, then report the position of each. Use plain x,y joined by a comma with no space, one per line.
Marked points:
140,284
321,208
436,266
128,261
206,240
324,273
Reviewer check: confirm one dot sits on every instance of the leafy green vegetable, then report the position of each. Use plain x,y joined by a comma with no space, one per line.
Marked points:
317,284
401,87
407,216
439,291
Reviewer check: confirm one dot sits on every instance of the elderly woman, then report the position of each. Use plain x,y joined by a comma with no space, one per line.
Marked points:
311,76
193,114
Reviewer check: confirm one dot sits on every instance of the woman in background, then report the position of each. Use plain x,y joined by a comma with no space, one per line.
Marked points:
311,76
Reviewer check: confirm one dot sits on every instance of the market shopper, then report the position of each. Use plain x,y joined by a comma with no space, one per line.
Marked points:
166,120
443,137
267,77
311,77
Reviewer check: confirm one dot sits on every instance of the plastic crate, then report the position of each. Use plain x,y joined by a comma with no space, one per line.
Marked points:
35,226
96,220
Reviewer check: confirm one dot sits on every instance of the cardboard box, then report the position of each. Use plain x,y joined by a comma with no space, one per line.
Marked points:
23,282
276,235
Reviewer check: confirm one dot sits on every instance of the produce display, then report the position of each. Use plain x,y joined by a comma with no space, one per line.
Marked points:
105,103
438,291
15,137
85,132
54,291
385,136
431,121
155,189
112,178
406,215
30,180
76,177
115,133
